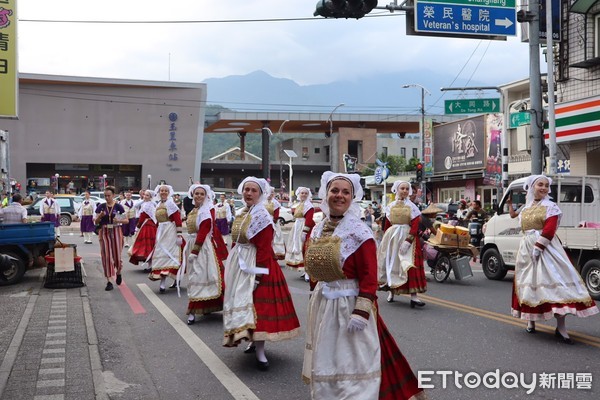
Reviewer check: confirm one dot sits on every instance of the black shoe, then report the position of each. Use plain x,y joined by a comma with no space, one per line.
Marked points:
563,339
173,286
251,348
262,365
414,304
109,286
191,321
119,279
148,269
530,330
162,290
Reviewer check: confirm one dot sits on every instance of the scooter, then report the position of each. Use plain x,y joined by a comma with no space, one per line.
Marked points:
476,232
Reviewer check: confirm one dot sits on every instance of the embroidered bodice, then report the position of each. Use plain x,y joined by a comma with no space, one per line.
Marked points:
239,229
191,221
323,260
299,212
400,214
533,218
161,213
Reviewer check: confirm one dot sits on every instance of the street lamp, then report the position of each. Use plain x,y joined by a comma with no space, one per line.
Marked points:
149,181
56,178
333,148
423,91
291,154
331,115
280,160
103,181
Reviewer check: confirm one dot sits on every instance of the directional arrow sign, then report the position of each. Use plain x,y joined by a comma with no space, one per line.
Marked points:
466,17
472,106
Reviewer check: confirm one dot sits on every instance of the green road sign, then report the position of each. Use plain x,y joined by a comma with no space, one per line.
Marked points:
519,119
472,106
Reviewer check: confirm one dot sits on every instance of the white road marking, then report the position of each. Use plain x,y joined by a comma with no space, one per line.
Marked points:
228,379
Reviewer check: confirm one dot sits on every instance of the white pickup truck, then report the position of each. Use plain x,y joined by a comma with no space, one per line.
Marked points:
578,197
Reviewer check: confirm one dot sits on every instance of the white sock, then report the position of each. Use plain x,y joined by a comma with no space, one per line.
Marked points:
561,325
191,317
413,297
531,324
162,281
260,351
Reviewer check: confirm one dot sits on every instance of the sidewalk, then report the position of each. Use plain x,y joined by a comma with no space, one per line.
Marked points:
53,354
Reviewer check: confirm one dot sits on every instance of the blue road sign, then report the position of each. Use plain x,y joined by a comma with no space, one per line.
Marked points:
464,19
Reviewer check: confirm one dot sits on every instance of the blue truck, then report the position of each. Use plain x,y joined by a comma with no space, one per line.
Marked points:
25,245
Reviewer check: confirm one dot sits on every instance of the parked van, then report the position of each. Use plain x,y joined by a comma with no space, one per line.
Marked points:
577,197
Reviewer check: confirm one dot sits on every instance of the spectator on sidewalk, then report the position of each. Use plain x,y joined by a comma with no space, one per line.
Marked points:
14,213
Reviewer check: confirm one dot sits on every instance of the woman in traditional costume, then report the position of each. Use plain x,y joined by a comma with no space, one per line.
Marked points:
167,254
86,218
349,353
146,227
110,216
546,284
400,256
303,224
258,306
205,280
273,206
223,215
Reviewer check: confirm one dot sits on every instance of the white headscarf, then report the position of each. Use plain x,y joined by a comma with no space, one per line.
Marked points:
551,207
276,203
265,188
260,216
529,186
397,184
208,199
354,179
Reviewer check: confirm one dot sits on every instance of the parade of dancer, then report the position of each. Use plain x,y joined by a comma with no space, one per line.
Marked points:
303,224
349,352
86,217
257,306
205,277
400,256
167,253
146,227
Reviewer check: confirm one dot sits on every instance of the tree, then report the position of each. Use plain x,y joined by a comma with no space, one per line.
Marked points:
396,165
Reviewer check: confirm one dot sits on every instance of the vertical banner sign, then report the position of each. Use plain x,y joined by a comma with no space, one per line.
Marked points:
173,157
428,149
8,59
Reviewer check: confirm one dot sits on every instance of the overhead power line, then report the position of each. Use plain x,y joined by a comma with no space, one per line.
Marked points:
221,21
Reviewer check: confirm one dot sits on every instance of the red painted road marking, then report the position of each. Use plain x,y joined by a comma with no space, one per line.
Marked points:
133,302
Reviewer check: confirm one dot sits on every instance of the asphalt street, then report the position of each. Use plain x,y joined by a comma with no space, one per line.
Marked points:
145,350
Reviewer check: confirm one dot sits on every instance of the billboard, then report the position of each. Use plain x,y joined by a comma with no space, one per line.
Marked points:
460,145
8,59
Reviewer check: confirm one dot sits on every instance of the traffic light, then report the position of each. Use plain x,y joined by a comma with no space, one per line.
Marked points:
419,172
344,8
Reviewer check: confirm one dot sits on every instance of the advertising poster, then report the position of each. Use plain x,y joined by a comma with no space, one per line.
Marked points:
9,86
493,168
460,145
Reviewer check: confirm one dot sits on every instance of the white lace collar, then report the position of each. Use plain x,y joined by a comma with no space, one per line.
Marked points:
204,214
307,206
551,208
351,230
149,208
171,206
260,220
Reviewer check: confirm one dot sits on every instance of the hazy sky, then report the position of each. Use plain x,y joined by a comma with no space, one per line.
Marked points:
309,51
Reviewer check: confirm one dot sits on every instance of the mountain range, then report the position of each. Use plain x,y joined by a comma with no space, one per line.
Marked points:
380,94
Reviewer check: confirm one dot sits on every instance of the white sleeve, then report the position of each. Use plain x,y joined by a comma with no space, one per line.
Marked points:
57,208
41,208
229,216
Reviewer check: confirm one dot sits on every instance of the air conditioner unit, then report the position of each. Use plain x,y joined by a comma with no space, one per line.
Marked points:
523,138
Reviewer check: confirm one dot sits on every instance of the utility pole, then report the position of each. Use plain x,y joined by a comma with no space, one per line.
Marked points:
532,17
